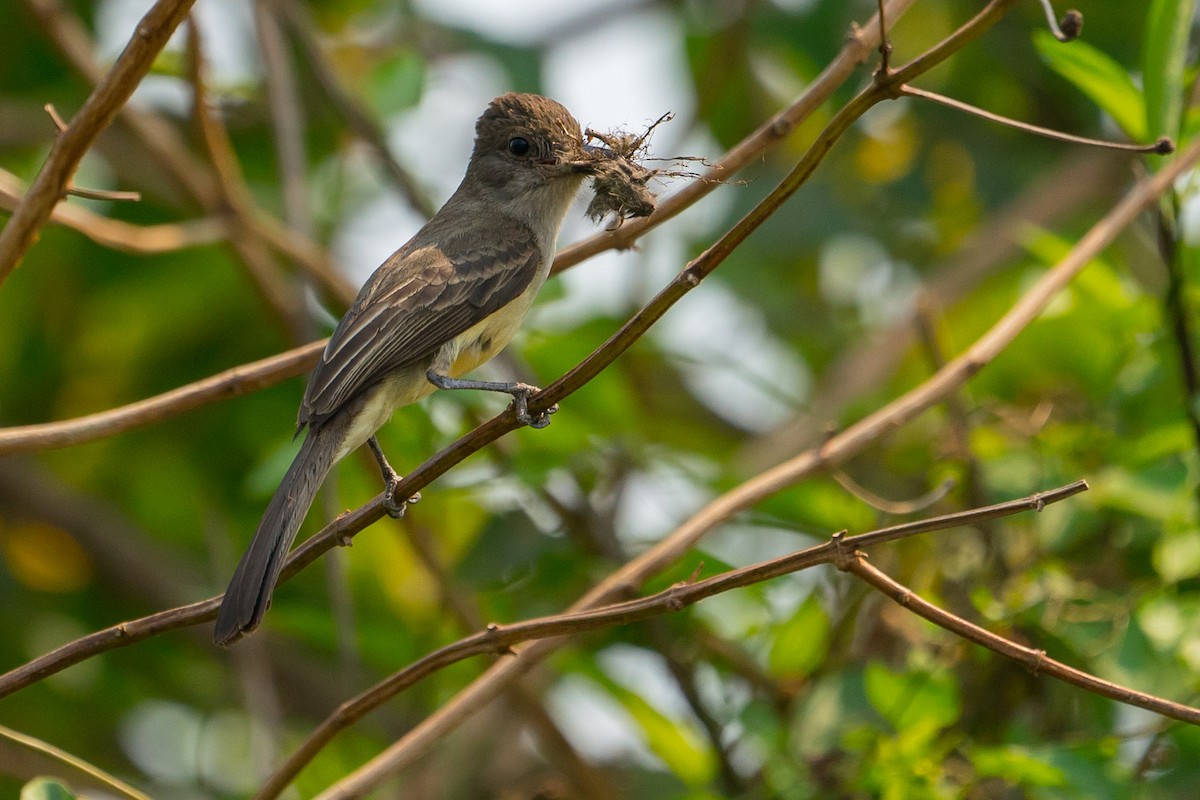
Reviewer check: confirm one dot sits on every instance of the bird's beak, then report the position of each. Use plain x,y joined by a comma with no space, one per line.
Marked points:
580,162
585,167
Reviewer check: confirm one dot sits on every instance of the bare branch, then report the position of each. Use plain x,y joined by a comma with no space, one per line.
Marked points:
501,639
68,150
234,382
83,773
1035,660
144,239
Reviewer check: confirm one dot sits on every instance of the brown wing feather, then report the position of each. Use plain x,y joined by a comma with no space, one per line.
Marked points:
419,299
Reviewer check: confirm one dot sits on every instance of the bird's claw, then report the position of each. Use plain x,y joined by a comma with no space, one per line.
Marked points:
521,393
395,509
542,419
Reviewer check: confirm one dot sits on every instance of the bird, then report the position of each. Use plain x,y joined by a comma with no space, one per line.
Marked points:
447,301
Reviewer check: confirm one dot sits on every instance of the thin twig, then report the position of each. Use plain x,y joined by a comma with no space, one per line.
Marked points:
60,125
887,506
88,774
110,94
885,47
1163,146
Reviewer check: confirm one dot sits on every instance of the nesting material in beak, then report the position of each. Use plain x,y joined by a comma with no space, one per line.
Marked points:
620,187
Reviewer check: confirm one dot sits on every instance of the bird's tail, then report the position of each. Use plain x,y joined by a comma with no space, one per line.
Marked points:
249,591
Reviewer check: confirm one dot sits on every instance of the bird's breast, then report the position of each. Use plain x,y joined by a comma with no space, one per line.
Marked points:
489,336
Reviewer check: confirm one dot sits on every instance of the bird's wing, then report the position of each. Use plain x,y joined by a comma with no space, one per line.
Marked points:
419,299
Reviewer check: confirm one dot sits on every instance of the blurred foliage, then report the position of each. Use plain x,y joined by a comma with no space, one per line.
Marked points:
809,686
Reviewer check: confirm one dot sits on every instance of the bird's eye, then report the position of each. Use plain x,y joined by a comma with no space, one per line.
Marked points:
518,146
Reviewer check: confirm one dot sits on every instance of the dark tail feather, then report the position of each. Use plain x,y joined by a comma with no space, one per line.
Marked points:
249,591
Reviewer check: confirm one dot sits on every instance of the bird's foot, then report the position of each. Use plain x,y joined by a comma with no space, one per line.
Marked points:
395,509
521,393
391,479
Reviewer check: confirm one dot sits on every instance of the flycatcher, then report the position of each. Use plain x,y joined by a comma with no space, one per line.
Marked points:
441,305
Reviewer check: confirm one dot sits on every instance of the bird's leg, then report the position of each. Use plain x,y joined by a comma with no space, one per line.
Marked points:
520,393
394,509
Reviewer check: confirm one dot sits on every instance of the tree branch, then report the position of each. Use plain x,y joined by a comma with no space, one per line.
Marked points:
1036,660
233,382
70,146
119,235
500,639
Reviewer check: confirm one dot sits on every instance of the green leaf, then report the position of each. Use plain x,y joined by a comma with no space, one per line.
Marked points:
1097,75
681,748
1167,27
46,789
908,699
800,644
1177,555
1015,765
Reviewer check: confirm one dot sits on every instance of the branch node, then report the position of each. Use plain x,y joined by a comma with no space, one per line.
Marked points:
344,539
1037,658
691,276
60,127
844,557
